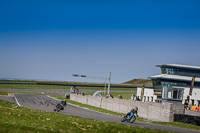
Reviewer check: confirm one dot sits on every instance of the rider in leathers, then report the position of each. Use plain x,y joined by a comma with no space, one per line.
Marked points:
133,110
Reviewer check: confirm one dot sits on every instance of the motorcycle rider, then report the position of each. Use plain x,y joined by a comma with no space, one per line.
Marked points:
134,110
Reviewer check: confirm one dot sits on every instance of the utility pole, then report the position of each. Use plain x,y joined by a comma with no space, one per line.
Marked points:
109,79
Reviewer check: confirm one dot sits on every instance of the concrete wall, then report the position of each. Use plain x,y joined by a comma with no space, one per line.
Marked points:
150,110
195,113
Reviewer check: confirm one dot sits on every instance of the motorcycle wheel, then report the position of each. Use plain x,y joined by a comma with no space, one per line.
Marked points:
132,119
123,119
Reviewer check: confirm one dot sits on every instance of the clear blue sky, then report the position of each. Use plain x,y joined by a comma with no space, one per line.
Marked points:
51,40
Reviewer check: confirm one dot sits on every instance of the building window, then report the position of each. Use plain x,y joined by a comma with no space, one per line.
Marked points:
170,71
192,102
180,94
198,103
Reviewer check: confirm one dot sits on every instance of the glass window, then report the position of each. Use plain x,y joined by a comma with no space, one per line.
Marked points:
170,70
192,102
175,93
198,103
180,94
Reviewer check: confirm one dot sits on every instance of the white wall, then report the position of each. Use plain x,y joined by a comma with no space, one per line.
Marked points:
148,94
195,95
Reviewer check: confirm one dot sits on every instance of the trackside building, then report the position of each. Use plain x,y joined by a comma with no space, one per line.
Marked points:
173,85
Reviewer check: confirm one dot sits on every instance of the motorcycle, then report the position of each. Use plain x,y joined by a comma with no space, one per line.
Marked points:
60,106
129,118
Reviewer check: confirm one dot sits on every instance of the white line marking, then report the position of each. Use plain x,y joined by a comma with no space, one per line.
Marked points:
53,98
16,99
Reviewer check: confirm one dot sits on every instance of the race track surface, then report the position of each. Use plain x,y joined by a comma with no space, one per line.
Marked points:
42,102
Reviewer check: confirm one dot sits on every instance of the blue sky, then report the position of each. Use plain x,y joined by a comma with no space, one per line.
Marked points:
51,40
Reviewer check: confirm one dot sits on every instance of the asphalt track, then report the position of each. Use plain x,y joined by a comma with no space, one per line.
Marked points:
42,102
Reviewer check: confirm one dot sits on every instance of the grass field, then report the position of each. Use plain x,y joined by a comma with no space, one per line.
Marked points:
3,93
15,119
67,83
125,95
30,86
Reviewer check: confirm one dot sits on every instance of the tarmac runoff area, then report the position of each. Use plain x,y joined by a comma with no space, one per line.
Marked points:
45,103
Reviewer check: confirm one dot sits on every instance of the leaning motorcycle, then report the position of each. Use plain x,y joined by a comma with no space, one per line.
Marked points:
129,118
60,106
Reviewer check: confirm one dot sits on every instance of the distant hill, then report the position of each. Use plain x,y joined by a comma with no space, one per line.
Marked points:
139,82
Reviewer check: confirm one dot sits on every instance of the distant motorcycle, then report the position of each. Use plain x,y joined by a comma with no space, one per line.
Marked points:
129,118
60,106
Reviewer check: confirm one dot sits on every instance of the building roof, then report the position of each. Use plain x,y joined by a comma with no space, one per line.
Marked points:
174,77
180,66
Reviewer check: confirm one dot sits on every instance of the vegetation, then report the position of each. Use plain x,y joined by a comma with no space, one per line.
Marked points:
16,81
178,124
15,119
3,93
140,82
125,95
32,86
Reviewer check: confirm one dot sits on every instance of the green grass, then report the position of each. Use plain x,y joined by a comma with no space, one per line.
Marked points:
3,93
170,124
178,124
125,95
15,119
30,86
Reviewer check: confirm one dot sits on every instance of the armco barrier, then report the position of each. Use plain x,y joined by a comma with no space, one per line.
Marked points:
190,119
153,111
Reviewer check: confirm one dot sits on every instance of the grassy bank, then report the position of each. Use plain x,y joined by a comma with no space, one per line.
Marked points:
15,119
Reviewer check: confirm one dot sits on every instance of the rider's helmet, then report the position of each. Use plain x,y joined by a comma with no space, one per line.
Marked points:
136,108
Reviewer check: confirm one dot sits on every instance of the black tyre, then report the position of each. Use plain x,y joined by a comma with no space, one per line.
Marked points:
132,119
123,119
